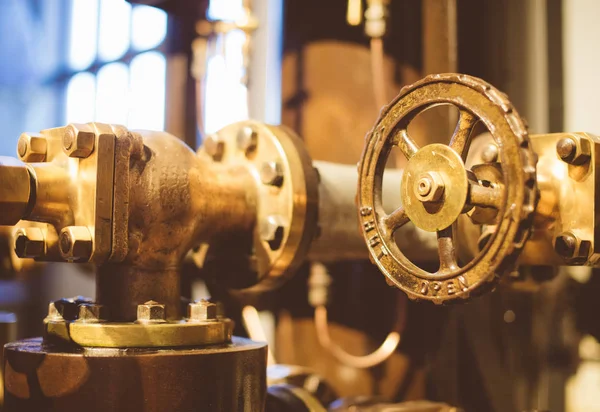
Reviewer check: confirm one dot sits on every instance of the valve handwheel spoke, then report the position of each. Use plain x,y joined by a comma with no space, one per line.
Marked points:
446,250
462,134
407,145
396,220
436,188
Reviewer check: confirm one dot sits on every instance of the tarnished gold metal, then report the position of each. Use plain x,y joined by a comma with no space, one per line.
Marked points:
140,335
515,201
566,230
15,191
438,209
287,192
32,147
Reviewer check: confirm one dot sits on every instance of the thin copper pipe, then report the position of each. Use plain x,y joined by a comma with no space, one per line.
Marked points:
255,329
378,71
380,355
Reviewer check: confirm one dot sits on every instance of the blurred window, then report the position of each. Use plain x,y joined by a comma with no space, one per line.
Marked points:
225,99
117,64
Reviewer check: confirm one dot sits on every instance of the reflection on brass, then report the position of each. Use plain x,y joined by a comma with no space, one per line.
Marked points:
140,335
515,202
84,323
14,191
565,226
32,147
438,171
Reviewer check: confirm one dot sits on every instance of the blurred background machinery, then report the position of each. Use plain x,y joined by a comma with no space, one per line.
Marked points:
191,68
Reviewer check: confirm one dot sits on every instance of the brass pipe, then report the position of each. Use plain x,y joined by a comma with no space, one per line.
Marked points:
122,288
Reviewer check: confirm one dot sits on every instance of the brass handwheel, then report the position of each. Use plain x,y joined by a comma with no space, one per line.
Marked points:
437,188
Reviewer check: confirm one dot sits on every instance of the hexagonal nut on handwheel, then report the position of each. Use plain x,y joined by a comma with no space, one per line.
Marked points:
437,188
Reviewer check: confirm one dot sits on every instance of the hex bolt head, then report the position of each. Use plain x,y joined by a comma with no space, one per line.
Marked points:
202,311
271,173
32,147
214,146
30,242
151,312
53,312
92,313
76,243
79,140
429,188
574,150
566,148
490,153
67,309
247,140
272,231
570,246
566,245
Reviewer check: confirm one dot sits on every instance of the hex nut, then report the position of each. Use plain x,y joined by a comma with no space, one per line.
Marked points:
214,146
575,149
272,231
429,187
32,147
76,243
30,242
271,173
202,311
67,309
151,312
92,313
53,312
247,139
79,140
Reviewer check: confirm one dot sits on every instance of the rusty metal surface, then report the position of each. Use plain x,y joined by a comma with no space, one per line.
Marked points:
226,378
477,101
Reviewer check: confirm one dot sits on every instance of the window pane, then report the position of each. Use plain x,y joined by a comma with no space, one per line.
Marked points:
114,29
112,98
84,33
149,27
225,10
226,98
81,94
148,77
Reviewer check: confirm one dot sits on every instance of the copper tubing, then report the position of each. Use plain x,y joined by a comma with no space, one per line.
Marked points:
255,330
378,72
380,355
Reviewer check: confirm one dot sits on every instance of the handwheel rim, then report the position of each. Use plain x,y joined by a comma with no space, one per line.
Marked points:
476,98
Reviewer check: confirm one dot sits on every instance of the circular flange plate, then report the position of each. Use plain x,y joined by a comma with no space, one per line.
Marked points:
449,165
287,195
137,335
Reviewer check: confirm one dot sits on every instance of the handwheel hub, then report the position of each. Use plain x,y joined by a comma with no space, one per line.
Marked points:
434,187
